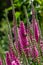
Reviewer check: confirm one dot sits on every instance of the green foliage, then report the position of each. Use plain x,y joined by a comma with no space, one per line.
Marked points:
17,14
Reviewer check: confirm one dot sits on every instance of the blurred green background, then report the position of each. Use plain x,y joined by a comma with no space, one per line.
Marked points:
20,15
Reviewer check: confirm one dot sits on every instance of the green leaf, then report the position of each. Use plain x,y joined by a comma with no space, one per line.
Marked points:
17,14
39,1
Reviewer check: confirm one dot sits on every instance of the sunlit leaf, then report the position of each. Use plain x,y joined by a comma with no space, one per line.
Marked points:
17,14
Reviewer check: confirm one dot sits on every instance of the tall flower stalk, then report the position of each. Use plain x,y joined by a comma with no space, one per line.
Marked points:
22,35
35,25
11,59
36,32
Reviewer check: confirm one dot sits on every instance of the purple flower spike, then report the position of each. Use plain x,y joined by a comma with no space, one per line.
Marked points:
13,56
35,25
36,29
22,35
8,61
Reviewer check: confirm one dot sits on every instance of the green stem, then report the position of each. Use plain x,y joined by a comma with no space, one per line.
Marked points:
9,33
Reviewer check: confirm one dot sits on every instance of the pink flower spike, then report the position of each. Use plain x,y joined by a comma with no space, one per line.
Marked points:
13,56
8,61
22,35
36,29
18,47
35,25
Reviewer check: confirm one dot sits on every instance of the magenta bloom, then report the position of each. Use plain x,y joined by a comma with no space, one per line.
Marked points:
22,35
35,52
8,61
23,40
35,29
35,25
13,57
0,61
